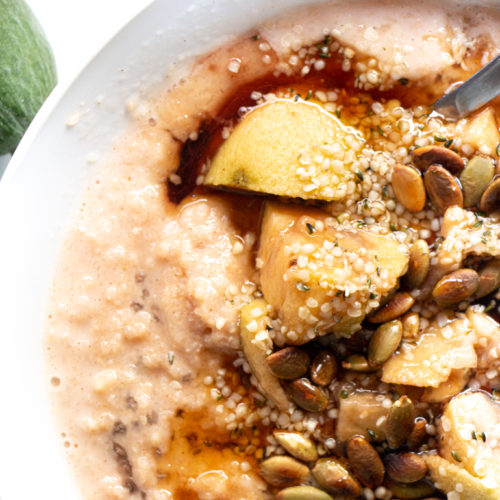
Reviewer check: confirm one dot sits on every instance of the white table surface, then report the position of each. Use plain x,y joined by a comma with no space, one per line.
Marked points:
77,29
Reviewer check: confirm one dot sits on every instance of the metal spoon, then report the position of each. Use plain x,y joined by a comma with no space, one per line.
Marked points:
479,89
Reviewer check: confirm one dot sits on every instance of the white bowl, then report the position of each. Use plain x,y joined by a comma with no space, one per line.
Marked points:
37,194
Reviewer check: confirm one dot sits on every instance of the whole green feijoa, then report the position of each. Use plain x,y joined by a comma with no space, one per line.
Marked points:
27,71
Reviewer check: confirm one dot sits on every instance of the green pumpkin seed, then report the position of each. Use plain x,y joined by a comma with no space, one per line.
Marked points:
408,187
365,462
411,491
324,367
489,279
288,363
384,342
357,363
303,493
490,200
443,189
297,445
411,325
418,264
335,478
400,422
418,435
283,471
307,396
455,287
474,178
396,307
405,467
437,155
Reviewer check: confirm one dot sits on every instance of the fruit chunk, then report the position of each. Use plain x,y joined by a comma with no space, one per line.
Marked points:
482,132
488,339
254,337
465,233
469,431
451,387
363,414
27,71
445,355
324,277
446,476
288,148
428,361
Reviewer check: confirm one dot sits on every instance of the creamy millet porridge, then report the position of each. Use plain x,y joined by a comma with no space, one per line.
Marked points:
282,280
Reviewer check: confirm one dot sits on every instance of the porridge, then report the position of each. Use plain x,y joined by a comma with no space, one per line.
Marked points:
282,281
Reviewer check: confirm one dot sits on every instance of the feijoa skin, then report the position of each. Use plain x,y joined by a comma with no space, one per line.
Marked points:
27,71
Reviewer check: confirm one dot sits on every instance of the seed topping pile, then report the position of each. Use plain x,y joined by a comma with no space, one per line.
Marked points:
283,280
377,264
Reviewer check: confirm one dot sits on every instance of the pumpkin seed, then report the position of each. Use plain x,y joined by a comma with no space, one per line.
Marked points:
384,342
323,368
408,187
288,363
405,467
410,491
490,200
418,265
365,462
396,307
303,493
357,363
400,422
455,287
283,471
307,396
437,155
418,435
411,325
489,279
335,478
297,445
443,189
475,177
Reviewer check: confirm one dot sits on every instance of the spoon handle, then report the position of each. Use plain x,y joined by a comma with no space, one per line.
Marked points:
479,89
